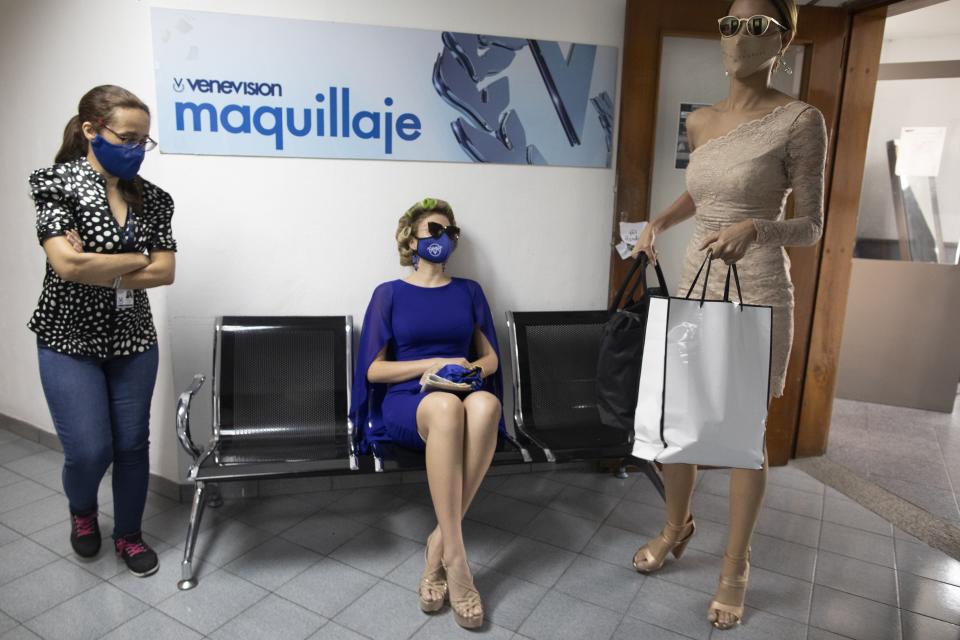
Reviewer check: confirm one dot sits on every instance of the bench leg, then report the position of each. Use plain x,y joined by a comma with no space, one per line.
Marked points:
522,449
187,581
650,470
215,499
621,472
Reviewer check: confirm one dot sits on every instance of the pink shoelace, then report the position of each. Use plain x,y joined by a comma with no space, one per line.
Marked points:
85,525
132,548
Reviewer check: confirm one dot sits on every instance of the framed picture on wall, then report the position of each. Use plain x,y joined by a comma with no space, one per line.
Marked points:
683,143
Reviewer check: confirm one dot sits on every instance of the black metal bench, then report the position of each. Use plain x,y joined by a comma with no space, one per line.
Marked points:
281,395
281,392
554,356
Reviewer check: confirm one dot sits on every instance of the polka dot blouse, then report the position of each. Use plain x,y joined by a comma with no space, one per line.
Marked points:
80,319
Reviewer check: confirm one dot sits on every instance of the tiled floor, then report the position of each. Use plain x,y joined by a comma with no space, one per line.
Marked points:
912,453
551,551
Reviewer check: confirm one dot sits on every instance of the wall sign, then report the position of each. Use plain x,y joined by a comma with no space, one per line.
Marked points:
248,85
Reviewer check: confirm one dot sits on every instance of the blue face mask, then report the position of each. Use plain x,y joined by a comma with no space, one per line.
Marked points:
120,160
435,249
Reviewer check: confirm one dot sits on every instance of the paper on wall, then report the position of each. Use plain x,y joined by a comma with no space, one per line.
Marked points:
629,235
630,232
919,151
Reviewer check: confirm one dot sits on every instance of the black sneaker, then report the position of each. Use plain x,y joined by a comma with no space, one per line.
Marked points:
140,558
85,534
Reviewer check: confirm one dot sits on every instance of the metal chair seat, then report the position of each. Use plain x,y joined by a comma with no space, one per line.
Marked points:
555,356
391,457
281,395
586,436
244,460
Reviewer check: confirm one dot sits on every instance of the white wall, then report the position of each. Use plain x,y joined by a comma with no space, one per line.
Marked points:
278,235
919,49
910,103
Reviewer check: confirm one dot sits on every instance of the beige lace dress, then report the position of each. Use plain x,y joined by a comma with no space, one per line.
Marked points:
748,174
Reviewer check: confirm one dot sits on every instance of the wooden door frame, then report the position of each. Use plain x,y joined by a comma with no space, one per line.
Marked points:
823,81
840,232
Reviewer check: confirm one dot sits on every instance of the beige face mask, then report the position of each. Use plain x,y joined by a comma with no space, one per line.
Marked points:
745,55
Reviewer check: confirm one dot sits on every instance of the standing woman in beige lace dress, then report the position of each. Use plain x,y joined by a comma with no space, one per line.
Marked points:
749,152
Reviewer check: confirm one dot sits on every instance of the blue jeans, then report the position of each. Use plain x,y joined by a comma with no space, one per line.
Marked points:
101,411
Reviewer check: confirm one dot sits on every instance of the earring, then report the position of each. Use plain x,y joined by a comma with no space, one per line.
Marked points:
726,73
416,262
781,64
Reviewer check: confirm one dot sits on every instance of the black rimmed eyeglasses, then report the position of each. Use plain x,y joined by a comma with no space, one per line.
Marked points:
148,143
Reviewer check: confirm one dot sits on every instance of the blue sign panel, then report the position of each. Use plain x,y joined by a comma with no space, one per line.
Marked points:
254,86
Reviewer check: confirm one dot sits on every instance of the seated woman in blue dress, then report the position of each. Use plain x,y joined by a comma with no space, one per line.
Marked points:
413,328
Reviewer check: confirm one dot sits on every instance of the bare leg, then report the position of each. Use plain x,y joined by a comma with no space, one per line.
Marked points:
678,481
747,487
483,416
440,421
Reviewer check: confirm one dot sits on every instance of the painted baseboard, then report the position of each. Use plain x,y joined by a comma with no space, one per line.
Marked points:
158,484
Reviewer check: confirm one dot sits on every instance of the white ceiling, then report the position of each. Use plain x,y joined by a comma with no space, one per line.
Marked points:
940,18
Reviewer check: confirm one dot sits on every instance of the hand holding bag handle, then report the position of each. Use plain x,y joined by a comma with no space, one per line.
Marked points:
726,288
639,264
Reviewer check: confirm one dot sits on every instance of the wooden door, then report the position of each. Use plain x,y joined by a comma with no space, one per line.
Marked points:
822,33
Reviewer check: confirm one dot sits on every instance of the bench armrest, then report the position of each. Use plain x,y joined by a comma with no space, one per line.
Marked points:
183,417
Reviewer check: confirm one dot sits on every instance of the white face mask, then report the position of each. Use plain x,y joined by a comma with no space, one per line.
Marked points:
745,55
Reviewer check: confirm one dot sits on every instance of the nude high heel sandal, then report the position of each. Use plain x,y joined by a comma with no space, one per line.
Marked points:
464,598
732,588
430,583
675,541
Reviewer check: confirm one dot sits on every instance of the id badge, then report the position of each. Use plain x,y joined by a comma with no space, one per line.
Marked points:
124,298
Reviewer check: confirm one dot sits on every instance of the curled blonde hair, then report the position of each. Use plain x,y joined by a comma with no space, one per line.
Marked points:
410,220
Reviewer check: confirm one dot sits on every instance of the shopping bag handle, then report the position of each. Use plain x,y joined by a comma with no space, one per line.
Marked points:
703,294
726,289
639,264
631,297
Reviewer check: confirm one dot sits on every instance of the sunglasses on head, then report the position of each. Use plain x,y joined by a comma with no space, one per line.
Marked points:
756,25
435,229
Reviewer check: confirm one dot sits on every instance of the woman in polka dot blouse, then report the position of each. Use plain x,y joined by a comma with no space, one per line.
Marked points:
107,237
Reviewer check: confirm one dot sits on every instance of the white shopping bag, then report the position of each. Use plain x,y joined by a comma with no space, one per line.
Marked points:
704,382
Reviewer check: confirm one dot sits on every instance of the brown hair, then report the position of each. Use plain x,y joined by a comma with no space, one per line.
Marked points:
98,106
410,220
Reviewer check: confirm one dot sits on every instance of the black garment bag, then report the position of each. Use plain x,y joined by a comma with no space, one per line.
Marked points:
621,348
